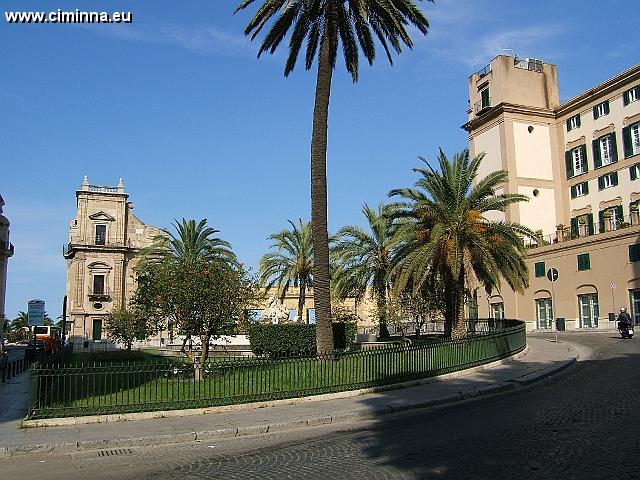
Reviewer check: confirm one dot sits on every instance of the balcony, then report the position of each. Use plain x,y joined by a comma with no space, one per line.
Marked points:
6,249
564,233
484,72
99,294
481,106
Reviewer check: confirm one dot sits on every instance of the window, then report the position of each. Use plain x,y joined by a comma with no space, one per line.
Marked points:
583,262
580,190
582,225
292,314
601,109
544,313
631,140
634,253
485,98
540,269
101,234
497,311
611,218
98,285
311,316
573,122
605,151
576,160
589,310
254,315
631,95
607,181
634,171
97,330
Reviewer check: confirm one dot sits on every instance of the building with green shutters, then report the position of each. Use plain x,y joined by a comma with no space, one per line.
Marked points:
579,164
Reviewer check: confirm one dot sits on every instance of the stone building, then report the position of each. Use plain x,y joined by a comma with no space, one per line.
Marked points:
6,251
579,164
105,239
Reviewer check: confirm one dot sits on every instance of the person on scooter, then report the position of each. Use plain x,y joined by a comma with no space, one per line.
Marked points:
624,319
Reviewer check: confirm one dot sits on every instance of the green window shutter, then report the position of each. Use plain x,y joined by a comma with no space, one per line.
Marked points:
633,172
586,188
595,112
614,178
625,98
619,213
583,152
634,252
626,142
597,159
568,124
601,221
601,183
584,262
614,147
590,223
569,162
574,194
578,120
574,228
540,270
606,107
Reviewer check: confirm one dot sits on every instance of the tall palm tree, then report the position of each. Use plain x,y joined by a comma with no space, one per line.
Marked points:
445,235
191,241
325,24
291,264
364,258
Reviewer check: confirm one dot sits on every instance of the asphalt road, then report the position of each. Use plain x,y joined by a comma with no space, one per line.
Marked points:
580,424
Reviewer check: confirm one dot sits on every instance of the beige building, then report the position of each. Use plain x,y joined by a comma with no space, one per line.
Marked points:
579,163
105,239
6,251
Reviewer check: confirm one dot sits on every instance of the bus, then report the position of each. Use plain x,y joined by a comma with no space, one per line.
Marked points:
48,338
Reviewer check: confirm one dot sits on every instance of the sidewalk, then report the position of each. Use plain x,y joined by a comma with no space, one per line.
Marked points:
542,358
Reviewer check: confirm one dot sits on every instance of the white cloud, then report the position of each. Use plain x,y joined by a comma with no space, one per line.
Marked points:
197,39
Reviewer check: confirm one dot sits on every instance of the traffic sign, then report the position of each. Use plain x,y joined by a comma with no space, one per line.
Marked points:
552,274
612,285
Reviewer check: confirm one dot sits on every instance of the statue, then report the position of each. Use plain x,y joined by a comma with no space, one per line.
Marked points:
275,313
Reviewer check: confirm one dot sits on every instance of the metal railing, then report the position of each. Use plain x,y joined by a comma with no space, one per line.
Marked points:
9,368
73,388
481,105
608,224
485,71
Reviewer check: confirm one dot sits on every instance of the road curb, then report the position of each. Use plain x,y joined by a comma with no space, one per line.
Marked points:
361,414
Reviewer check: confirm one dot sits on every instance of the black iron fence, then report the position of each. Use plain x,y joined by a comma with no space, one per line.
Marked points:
65,387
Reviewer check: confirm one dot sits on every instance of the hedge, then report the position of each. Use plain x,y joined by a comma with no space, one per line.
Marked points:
296,338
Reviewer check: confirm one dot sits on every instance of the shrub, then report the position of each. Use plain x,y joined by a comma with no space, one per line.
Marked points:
296,338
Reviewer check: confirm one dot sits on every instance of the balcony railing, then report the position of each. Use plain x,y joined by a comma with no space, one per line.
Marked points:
99,294
481,105
485,71
608,224
531,64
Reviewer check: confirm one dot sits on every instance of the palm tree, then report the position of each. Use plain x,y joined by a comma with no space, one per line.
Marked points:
363,259
291,264
324,24
445,236
190,242
22,320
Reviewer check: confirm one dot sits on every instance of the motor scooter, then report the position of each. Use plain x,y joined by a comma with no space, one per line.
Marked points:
626,330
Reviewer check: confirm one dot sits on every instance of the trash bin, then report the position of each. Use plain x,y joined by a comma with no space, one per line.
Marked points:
560,327
612,317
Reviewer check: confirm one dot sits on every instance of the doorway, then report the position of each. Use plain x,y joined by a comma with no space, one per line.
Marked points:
544,313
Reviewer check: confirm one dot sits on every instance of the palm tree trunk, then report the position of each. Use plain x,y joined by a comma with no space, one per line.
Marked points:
381,301
321,286
301,298
458,327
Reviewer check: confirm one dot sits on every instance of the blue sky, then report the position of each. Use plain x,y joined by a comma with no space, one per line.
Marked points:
178,105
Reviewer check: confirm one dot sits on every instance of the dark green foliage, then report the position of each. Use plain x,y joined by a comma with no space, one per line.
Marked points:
296,338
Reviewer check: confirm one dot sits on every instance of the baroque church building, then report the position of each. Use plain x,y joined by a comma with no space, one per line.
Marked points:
105,239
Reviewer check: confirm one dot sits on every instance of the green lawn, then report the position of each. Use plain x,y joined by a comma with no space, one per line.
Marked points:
109,386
